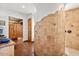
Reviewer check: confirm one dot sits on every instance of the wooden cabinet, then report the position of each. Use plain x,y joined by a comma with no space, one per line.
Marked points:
7,49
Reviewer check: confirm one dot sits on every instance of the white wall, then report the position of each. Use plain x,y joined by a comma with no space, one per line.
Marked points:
71,5
4,14
43,10
25,27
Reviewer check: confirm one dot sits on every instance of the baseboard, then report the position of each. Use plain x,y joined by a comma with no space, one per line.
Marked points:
25,40
32,41
35,54
28,41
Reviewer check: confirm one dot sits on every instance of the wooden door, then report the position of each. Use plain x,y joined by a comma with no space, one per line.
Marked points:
72,28
30,29
15,30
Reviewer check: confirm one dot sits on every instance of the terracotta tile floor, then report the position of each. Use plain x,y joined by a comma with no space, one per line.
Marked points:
23,49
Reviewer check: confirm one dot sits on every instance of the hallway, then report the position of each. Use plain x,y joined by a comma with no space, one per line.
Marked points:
23,49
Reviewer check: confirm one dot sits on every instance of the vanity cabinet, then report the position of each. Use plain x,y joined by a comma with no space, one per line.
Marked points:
7,49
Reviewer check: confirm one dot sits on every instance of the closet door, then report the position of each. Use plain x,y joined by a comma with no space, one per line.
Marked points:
11,29
15,30
72,29
30,29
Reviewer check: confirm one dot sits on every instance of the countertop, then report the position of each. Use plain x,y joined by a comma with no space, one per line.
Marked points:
7,44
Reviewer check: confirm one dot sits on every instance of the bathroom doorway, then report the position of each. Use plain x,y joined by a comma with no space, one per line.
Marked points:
15,28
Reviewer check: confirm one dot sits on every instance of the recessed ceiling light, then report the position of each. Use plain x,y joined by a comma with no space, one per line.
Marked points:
23,6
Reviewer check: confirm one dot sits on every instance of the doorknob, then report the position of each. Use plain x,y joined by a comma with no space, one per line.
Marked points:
69,31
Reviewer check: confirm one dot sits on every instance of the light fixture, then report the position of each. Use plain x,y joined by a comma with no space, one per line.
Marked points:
34,9
23,6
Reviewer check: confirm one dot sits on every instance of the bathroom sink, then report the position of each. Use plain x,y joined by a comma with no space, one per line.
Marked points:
4,40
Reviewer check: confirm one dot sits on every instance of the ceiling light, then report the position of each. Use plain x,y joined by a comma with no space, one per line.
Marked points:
34,9
23,6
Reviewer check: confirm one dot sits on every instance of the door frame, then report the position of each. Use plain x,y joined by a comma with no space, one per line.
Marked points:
9,26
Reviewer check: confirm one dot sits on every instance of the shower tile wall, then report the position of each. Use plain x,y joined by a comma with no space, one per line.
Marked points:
49,35
72,28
